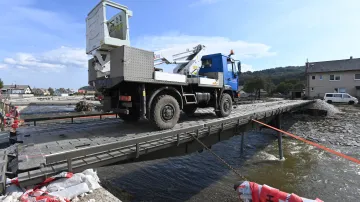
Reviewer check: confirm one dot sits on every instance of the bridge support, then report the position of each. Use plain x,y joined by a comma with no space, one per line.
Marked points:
278,125
242,143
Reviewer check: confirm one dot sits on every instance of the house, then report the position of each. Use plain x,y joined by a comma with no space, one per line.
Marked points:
41,91
81,91
16,89
60,92
90,92
342,76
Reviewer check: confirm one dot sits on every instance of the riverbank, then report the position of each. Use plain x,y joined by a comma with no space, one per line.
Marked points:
341,127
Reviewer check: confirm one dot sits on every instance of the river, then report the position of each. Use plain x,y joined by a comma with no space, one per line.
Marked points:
306,171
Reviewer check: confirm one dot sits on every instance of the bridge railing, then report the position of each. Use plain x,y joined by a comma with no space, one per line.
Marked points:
72,117
68,156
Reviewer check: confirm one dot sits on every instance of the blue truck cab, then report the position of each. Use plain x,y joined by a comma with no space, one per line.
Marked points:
221,63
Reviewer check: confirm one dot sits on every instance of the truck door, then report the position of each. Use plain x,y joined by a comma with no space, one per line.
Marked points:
231,75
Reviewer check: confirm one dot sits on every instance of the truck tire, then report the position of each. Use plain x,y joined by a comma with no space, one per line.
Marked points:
225,105
165,112
189,110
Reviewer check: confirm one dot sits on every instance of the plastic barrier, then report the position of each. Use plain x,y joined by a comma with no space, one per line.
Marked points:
251,191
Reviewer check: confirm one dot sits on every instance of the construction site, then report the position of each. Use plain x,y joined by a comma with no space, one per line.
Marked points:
184,135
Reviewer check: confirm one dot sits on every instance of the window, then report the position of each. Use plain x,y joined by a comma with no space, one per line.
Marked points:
229,66
337,95
313,77
320,77
312,89
357,76
346,96
334,77
329,95
207,63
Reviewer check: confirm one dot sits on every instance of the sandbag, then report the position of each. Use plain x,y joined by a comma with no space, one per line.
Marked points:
63,183
72,192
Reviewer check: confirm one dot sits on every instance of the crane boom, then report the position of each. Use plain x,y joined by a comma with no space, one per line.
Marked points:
188,60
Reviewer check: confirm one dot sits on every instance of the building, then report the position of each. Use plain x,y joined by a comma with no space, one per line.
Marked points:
16,89
59,92
90,92
342,76
81,91
40,91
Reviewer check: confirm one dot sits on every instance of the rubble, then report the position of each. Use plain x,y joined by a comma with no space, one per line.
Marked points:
322,105
63,187
83,106
340,128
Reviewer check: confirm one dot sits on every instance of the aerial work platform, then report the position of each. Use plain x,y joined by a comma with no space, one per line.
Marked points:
47,150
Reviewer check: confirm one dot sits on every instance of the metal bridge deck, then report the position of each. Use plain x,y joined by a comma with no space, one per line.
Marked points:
71,140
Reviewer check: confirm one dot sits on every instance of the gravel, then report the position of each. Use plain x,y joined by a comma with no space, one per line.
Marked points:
337,129
322,105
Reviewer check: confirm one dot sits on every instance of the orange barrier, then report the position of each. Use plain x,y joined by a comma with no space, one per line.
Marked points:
311,143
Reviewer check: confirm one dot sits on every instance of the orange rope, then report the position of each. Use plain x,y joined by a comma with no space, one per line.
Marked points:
311,143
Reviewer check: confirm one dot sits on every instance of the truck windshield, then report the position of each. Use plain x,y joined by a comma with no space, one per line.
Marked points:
231,66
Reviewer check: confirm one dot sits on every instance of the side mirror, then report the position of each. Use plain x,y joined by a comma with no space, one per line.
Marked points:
239,67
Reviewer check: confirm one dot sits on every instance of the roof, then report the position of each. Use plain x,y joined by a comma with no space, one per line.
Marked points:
15,87
334,65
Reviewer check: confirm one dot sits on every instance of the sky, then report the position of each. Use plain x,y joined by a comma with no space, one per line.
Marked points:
42,42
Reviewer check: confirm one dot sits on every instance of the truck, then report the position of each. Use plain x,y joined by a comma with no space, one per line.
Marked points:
134,84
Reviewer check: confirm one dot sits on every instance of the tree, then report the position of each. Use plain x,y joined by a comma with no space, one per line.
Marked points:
62,90
51,91
284,87
299,86
269,86
254,84
1,84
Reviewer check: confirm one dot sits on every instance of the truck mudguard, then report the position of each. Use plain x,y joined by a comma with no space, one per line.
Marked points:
165,88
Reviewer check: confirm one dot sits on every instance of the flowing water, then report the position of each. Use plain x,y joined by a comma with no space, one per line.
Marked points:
306,171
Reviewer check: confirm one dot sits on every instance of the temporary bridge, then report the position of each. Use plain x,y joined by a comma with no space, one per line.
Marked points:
47,149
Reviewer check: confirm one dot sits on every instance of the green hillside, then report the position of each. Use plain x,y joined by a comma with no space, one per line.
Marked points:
279,79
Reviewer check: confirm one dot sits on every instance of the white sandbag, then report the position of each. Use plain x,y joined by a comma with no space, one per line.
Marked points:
72,192
64,183
92,179
92,173
12,197
91,182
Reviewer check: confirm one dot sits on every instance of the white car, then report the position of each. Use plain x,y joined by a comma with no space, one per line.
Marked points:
340,98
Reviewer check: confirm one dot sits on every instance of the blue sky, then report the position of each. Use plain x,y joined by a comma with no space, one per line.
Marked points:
43,41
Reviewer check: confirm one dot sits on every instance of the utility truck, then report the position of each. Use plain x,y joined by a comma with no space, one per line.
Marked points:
134,84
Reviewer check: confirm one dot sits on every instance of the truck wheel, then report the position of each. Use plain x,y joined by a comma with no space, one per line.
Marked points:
165,112
329,101
133,116
189,110
351,102
225,106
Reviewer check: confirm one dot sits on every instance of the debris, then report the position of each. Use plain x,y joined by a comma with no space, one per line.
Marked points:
83,106
62,187
72,191
322,105
251,191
